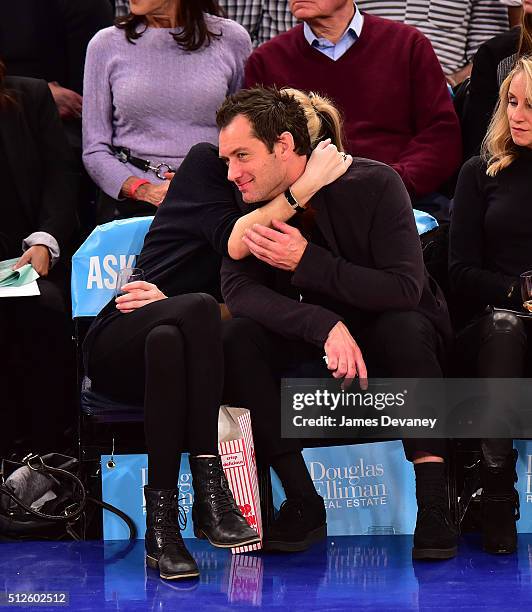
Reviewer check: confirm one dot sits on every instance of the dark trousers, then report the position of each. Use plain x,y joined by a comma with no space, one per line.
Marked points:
494,346
395,345
37,367
167,356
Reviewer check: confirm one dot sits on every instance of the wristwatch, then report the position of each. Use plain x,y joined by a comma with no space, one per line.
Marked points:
293,202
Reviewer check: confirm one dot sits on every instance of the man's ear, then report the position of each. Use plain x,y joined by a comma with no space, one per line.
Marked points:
285,144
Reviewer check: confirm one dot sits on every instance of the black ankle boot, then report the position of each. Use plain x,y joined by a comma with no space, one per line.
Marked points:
435,536
165,549
499,505
215,513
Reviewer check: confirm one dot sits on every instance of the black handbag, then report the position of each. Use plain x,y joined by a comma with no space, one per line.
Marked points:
44,498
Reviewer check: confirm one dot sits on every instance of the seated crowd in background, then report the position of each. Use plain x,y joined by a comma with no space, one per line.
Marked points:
395,103
455,28
152,87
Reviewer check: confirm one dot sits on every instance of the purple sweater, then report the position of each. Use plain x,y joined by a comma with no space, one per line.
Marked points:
155,98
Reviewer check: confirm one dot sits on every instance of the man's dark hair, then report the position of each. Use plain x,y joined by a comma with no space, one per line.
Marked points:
195,33
270,112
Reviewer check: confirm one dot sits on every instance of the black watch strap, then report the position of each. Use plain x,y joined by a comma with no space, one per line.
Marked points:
293,202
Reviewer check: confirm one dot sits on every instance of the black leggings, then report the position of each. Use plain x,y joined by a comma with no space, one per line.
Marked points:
168,356
396,345
494,346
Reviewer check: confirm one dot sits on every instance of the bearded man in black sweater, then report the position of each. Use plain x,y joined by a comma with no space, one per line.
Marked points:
350,282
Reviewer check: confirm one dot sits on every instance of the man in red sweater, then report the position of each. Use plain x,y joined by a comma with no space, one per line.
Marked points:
383,75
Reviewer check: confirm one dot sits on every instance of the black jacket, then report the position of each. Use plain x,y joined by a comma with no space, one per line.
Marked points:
40,163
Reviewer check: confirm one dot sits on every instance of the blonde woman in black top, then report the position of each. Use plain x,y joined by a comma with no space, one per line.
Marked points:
491,245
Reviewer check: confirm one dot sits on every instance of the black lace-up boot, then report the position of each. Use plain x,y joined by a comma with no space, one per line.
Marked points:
215,513
165,549
499,502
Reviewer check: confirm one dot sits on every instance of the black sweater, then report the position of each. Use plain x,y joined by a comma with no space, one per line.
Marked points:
491,233
368,260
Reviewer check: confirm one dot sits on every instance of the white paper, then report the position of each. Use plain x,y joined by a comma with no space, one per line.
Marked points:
29,289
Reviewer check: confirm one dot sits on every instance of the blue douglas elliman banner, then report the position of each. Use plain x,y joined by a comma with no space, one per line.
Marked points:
367,489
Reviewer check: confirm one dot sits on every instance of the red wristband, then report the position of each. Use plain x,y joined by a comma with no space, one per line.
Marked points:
135,186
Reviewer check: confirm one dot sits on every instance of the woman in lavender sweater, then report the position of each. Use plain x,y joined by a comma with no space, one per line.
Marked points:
153,83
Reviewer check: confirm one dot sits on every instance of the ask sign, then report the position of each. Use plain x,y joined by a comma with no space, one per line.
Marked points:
95,265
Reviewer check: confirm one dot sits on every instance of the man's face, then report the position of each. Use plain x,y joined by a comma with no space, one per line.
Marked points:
258,174
306,10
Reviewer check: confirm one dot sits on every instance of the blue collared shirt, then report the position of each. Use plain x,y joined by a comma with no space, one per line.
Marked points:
349,38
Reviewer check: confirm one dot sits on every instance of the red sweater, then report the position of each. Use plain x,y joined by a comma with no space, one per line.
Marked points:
391,90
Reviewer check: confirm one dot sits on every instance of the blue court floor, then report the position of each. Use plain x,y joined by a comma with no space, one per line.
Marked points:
345,573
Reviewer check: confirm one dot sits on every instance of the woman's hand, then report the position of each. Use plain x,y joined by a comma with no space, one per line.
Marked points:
154,194
148,192
38,256
138,294
325,165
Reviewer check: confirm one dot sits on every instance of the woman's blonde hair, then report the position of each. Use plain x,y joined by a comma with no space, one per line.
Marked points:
498,149
323,118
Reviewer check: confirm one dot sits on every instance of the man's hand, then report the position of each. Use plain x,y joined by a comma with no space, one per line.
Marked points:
68,102
325,165
38,256
344,357
138,294
281,247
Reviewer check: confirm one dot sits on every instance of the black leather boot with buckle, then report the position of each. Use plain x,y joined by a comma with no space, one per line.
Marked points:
215,513
165,549
499,503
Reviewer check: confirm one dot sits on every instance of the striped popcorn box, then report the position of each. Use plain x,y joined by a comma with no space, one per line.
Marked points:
235,443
